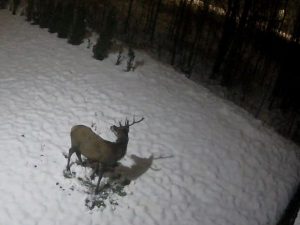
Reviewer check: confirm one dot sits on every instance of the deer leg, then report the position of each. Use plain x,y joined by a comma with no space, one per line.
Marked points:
79,157
100,174
71,151
96,170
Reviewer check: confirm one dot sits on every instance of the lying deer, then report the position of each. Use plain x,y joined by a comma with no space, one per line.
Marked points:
85,142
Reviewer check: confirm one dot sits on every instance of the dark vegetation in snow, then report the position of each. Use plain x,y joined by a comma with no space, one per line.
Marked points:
116,181
249,47
290,214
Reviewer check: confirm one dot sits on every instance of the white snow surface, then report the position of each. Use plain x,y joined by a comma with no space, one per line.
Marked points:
225,168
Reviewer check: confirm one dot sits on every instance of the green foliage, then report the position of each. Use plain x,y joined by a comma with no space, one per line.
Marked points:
16,4
78,28
65,20
104,42
69,174
108,193
119,58
3,4
46,11
130,60
55,16
29,10
101,48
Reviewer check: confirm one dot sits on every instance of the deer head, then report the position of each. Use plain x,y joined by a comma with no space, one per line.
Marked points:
122,131
85,142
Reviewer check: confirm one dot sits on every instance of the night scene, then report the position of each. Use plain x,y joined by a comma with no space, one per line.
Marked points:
149,112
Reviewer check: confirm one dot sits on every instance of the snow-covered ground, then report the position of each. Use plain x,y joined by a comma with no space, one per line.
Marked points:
222,167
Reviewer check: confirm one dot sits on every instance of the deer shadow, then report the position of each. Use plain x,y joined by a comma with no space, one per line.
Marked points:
137,169
118,178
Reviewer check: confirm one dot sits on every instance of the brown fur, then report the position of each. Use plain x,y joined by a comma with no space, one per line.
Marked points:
84,141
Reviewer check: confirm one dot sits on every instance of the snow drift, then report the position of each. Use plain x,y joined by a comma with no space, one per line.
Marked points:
224,167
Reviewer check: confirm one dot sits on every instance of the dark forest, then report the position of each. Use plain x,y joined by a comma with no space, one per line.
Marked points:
249,47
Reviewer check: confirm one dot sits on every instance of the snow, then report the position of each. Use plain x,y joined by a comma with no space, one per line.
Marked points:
195,159
297,221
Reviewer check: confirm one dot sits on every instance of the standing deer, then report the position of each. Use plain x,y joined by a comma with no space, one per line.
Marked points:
85,142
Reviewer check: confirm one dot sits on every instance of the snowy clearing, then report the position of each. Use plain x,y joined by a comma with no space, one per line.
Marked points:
224,167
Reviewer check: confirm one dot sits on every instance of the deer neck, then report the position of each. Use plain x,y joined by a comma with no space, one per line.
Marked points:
122,146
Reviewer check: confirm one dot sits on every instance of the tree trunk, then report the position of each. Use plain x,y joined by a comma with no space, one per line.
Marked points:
127,21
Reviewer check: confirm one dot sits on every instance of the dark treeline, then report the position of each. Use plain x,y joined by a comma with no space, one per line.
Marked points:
250,47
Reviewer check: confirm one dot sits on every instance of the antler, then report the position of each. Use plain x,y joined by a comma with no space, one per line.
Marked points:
127,124
134,121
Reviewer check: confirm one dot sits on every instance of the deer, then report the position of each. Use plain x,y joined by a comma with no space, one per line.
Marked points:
106,154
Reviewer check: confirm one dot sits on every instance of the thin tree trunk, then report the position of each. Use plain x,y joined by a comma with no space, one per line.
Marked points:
127,21
226,39
181,10
153,28
289,215
195,44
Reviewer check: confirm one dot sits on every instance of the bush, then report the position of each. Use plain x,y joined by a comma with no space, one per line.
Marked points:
104,41
78,27
130,60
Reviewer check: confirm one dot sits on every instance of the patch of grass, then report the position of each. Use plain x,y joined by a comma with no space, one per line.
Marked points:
108,194
68,174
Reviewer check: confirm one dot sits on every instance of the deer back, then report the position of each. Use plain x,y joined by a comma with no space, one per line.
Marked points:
86,142
93,147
